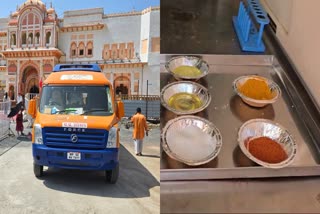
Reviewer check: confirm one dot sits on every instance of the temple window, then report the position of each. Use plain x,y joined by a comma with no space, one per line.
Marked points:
81,49
24,38
48,38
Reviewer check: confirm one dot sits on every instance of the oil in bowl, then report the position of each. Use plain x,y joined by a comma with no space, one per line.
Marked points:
185,101
187,67
187,71
185,97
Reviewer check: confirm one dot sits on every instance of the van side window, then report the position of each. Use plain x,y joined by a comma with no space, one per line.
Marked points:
109,99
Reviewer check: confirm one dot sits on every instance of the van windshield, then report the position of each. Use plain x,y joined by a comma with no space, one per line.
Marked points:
76,100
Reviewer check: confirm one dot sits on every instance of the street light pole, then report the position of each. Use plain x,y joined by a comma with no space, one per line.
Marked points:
147,100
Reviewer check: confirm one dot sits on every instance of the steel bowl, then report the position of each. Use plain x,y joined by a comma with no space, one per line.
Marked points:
254,102
266,128
185,86
181,143
197,62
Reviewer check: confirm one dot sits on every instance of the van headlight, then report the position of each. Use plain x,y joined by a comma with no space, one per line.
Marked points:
38,134
112,138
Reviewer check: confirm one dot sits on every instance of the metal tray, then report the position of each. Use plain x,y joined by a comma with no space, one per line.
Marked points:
228,113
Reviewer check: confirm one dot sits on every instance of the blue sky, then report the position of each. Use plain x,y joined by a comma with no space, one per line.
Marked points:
110,6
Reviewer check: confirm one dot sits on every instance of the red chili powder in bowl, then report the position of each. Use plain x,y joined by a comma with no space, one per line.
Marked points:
266,149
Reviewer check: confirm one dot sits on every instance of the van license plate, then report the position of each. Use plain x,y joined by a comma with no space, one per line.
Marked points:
74,156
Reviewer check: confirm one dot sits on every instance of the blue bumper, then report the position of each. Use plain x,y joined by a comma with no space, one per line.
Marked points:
105,159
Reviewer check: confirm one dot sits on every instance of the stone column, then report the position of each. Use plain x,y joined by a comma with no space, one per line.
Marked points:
41,69
17,79
131,71
111,76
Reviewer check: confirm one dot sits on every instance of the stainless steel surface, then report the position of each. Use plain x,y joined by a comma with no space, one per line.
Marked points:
180,140
204,27
189,87
199,27
290,195
275,90
228,113
266,128
178,61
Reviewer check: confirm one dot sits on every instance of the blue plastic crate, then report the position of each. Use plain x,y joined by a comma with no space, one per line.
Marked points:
249,36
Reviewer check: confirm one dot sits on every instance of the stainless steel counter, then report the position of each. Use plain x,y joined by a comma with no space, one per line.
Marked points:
221,190
242,196
228,113
205,27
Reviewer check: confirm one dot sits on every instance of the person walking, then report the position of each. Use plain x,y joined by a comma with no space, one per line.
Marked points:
19,123
5,97
6,103
140,128
19,98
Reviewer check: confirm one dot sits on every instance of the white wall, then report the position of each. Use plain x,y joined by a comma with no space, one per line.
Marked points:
280,11
151,73
302,40
154,57
4,24
122,30
82,19
117,30
151,28
145,32
83,16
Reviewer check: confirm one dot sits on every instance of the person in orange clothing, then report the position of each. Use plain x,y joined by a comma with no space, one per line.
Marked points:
140,126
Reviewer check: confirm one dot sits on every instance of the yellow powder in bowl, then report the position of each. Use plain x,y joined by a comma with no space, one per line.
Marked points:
256,89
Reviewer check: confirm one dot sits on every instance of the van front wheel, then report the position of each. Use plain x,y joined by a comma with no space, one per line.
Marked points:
37,170
112,175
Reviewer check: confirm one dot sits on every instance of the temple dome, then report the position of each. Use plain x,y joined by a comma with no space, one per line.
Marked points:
15,14
51,11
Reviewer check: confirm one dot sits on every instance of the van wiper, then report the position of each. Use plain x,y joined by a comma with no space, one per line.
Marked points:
64,110
93,110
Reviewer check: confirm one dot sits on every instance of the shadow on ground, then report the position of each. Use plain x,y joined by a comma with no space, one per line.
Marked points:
150,156
135,181
24,138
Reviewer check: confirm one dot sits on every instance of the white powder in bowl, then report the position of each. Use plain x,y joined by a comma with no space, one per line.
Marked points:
190,143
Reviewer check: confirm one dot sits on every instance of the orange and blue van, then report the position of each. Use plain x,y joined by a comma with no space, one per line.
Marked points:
76,121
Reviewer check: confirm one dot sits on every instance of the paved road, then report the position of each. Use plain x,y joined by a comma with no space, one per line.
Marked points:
65,191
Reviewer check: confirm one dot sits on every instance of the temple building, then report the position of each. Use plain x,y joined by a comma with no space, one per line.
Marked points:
33,39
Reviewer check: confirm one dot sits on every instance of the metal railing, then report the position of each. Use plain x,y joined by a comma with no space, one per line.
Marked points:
149,104
4,121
